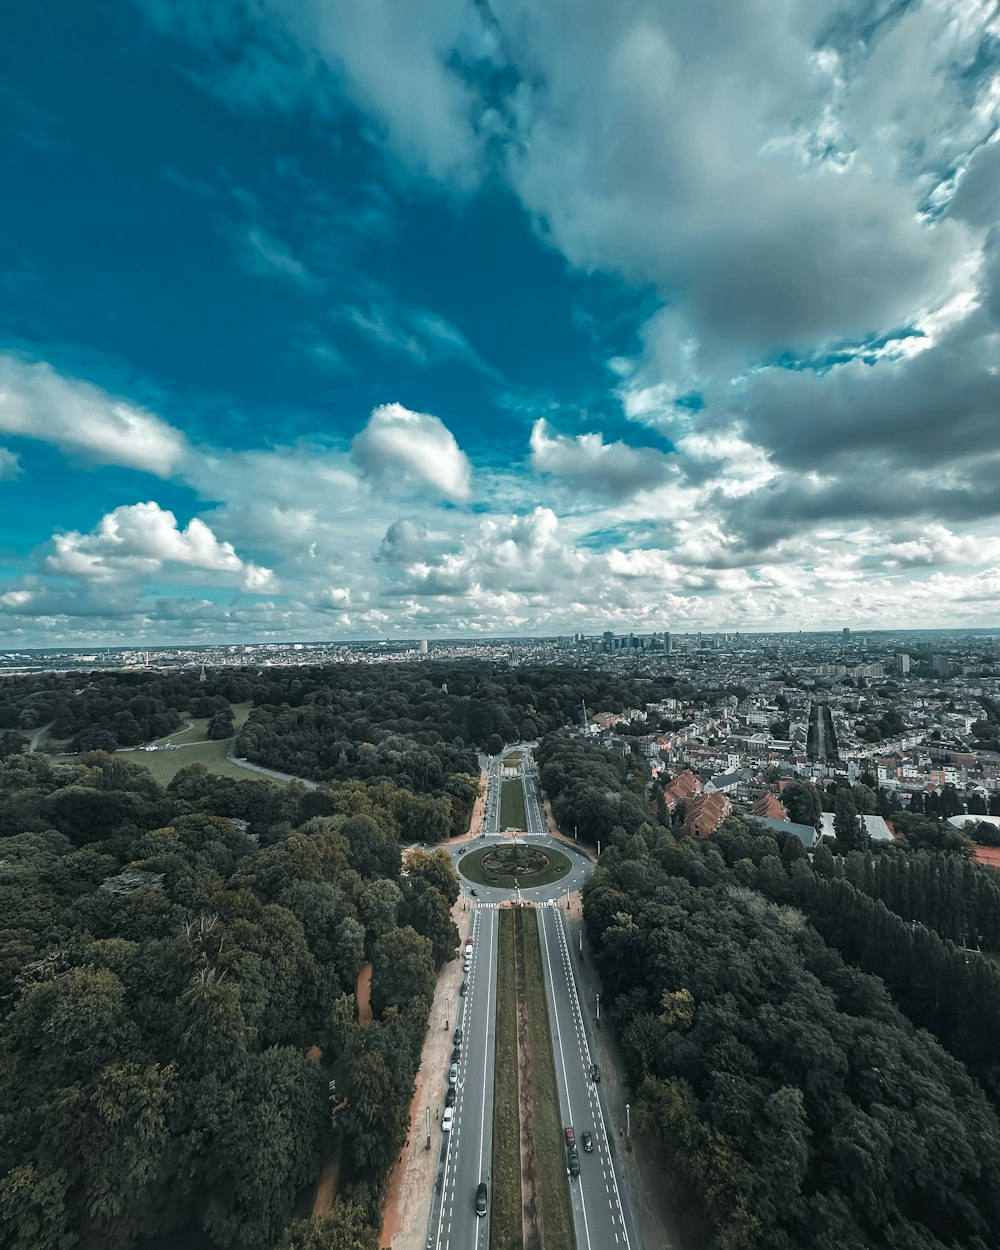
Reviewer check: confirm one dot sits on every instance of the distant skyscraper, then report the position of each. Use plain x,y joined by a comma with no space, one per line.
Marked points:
667,642
846,633
942,665
902,663
423,646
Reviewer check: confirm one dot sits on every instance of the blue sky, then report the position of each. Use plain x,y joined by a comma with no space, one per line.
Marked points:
342,320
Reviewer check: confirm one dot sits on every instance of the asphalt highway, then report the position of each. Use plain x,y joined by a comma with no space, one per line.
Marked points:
466,1151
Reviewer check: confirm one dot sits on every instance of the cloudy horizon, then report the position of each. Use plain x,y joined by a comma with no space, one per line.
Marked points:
360,321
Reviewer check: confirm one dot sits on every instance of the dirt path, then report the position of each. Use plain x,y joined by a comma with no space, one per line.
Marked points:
407,1205
363,995
329,1177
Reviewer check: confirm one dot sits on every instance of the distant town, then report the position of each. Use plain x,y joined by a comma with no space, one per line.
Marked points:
906,711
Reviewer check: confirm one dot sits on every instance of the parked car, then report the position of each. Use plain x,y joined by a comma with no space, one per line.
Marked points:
482,1196
449,1098
587,1142
458,1037
595,1072
456,1054
464,988
574,1163
448,1119
453,1074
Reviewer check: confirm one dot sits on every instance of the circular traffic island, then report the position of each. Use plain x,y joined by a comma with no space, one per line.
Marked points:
509,865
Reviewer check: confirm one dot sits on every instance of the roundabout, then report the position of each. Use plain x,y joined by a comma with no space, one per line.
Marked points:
513,865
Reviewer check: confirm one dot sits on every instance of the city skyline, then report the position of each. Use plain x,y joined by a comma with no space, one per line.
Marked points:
496,320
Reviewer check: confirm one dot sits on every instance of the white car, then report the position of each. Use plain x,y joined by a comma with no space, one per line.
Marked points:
448,1119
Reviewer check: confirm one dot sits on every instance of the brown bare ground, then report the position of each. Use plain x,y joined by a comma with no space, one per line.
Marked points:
363,995
406,1209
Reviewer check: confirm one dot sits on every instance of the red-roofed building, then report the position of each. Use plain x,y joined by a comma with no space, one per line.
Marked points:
682,789
769,807
705,813
989,856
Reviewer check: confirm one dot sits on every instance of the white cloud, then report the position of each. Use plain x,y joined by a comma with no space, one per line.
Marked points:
414,448
264,254
138,540
36,402
10,465
612,471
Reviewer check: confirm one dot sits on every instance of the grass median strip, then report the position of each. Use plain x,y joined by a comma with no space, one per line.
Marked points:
505,1215
550,1154
512,813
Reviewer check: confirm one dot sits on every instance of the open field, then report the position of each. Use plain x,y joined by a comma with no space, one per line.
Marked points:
505,1217
164,765
512,813
550,1153
197,730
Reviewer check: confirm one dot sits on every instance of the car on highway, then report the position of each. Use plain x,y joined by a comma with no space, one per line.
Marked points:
587,1142
449,1098
482,1197
448,1119
453,1074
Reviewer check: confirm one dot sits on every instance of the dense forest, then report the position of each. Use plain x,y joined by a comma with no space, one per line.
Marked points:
167,960
807,1102
415,726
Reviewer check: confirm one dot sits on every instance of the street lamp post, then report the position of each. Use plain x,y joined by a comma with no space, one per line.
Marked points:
447,1011
628,1121
598,1006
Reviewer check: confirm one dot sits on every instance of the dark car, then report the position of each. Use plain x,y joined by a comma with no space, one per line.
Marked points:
456,1054
449,1098
595,1072
474,893
574,1163
458,1037
482,1195
464,988
587,1142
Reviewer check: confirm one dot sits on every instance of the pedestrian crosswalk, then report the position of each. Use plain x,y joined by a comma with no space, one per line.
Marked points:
512,902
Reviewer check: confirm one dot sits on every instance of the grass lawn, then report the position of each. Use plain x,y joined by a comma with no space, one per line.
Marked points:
513,760
164,765
473,867
512,813
550,1150
505,1199
196,730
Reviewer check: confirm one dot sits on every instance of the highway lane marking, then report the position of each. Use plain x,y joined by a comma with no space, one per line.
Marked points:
596,1094
562,1060
482,1122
